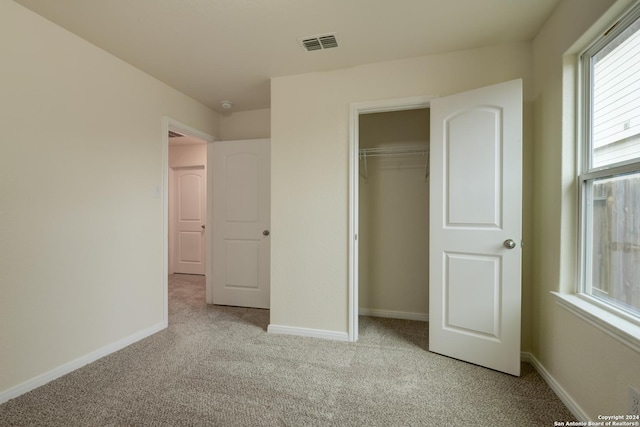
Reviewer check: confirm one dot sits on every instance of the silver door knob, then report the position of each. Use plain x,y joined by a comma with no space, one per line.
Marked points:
509,244
265,233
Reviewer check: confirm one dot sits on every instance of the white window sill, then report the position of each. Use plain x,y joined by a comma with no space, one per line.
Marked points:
622,330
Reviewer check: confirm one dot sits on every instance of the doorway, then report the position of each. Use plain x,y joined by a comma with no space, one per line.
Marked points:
394,214
184,150
386,106
475,182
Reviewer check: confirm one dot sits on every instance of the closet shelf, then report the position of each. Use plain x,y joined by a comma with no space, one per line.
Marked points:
402,150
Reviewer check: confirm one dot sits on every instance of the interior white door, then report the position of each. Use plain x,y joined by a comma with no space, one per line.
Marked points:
475,226
189,185
241,220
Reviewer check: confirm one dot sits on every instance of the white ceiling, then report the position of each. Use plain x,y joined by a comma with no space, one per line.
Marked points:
216,50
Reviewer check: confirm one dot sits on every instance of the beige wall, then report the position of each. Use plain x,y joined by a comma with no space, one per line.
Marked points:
594,369
310,140
393,236
254,124
81,223
187,155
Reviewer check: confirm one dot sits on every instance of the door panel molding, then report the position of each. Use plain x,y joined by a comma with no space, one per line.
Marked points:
461,172
463,268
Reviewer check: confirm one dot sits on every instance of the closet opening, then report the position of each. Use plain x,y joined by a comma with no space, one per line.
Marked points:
393,199
389,255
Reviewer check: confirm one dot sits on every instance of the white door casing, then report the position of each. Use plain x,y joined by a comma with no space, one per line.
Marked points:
241,221
386,105
189,213
476,206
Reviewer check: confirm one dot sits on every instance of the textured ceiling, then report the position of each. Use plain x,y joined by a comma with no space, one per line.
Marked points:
216,50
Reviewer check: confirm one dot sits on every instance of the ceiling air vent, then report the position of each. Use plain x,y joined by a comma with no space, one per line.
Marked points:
173,134
311,44
328,42
319,42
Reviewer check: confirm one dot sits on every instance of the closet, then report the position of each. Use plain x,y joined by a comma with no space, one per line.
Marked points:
393,218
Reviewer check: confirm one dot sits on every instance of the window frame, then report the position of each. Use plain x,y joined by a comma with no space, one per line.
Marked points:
587,174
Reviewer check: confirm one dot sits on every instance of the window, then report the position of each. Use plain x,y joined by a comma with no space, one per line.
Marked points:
610,168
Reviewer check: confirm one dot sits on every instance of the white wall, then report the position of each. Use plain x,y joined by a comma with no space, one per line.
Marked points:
393,236
81,224
253,124
592,368
309,149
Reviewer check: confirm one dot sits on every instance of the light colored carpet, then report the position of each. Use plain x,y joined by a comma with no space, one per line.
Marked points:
217,366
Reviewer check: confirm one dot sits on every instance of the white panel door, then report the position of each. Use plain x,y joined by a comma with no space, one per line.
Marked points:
475,226
189,224
241,220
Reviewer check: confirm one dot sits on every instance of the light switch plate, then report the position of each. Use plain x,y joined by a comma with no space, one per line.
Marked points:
156,191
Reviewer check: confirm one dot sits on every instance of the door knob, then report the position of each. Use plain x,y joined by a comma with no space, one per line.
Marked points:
265,233
202,227
509,244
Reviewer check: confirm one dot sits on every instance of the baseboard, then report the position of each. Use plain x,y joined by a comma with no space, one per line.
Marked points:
307,332
55,373
571,404
406,315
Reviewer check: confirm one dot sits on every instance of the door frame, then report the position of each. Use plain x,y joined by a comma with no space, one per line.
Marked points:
356,109
169,123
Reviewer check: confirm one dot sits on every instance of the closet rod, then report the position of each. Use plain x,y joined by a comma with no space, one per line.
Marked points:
386,151
395,151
